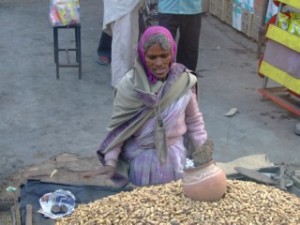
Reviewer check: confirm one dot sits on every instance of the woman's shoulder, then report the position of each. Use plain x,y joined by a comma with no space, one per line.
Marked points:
128,77
127,82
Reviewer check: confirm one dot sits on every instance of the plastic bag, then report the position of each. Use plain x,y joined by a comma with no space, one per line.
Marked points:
283,21
294,26
57,204
64,12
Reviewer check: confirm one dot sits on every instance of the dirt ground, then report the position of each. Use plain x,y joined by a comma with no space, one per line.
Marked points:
5,218
42,117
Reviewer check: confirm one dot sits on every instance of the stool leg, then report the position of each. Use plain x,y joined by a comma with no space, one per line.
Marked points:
76,43
54,43
56,53
78,49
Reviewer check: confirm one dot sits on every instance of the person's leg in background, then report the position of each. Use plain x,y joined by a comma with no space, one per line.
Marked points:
124,45
104,49
169,21
189,38
297,129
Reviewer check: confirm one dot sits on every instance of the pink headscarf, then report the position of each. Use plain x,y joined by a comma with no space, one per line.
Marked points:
148,33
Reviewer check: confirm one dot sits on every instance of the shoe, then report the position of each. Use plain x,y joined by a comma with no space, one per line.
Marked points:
103,60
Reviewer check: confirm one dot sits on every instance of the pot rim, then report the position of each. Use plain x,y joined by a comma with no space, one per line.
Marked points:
191,169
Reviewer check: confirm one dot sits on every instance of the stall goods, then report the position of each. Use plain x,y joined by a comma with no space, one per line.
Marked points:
244,203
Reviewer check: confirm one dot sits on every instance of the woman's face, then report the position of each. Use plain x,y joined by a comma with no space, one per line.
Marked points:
158,61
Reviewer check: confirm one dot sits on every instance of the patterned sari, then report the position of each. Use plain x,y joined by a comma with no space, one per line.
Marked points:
145,166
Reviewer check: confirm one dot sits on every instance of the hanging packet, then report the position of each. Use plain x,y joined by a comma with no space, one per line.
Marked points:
64,12
283,21
294,26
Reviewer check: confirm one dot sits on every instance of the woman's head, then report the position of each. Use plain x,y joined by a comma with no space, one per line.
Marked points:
157,51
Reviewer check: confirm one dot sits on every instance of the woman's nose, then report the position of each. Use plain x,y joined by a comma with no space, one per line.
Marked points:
158,61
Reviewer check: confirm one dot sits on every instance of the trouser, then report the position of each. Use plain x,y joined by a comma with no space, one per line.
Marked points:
104,47
189,27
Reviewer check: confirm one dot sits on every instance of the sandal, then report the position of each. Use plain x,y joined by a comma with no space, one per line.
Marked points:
103,60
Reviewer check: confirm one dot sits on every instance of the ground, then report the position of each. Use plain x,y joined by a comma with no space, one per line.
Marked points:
42,117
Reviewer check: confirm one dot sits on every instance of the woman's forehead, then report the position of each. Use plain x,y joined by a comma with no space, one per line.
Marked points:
157,49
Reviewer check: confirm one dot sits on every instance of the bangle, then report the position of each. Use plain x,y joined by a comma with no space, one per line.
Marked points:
111,162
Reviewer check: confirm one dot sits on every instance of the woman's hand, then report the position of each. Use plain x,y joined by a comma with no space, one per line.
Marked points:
105,170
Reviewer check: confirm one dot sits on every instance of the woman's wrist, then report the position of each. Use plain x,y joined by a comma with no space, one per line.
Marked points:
111,162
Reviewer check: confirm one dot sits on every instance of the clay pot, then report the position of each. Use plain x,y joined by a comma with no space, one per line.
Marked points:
205,183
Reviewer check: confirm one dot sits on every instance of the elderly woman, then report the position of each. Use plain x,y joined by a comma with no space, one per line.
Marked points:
154,107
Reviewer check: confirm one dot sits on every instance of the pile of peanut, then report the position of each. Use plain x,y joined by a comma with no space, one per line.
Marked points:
245,203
